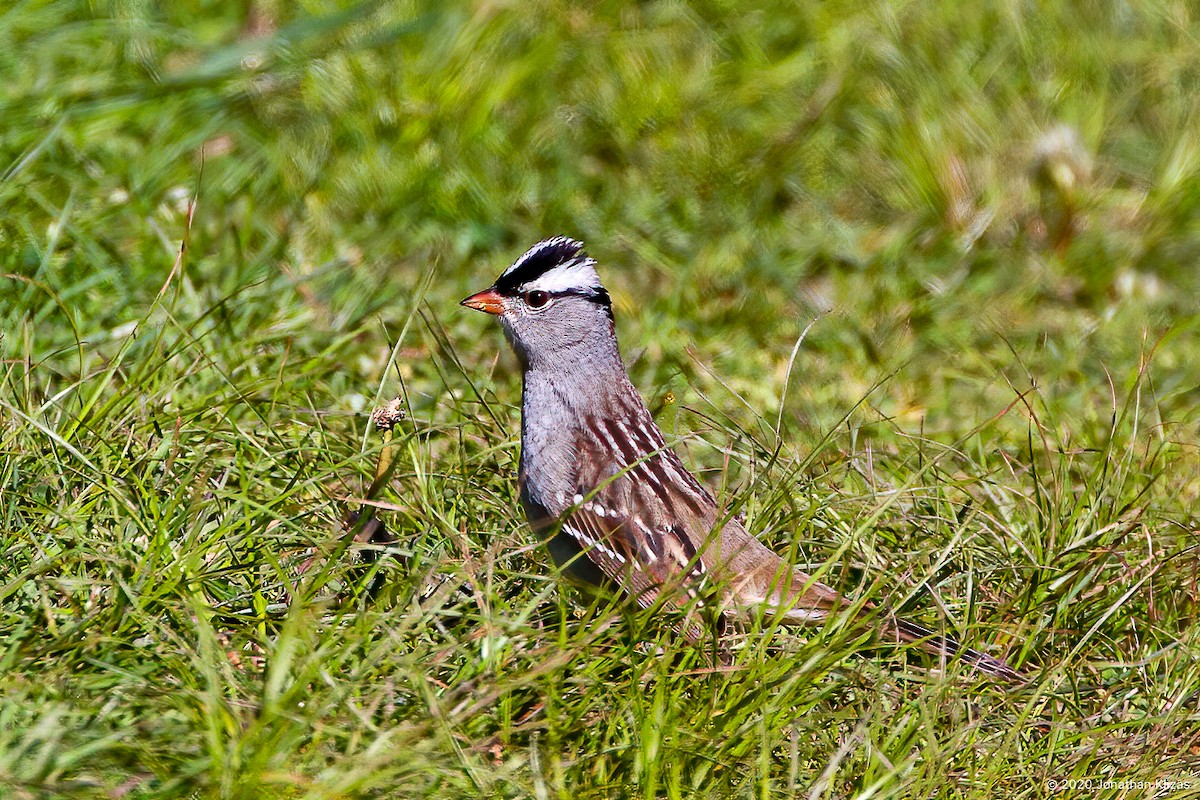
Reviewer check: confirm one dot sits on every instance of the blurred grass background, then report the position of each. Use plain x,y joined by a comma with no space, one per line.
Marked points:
989,214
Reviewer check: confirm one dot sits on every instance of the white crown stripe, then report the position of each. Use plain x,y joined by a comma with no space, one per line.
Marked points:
572,275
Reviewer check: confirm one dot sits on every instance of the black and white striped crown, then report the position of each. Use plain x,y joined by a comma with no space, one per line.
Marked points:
555,266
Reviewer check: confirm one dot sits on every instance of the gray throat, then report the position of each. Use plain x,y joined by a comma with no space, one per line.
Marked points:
555,403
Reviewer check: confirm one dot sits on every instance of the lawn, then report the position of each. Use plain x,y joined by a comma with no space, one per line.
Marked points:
914,287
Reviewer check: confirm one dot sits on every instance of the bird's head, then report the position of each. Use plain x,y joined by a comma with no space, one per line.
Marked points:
551,303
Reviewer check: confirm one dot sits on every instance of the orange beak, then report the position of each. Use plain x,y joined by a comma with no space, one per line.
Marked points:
487,301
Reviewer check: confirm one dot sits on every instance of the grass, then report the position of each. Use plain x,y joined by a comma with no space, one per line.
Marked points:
911,285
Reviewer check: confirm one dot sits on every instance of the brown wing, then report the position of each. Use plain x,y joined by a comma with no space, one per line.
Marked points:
658,527
640,558
626,518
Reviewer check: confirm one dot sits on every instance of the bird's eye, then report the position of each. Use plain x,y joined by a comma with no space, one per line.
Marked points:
536,299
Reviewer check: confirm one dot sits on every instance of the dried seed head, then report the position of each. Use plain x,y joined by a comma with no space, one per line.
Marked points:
387,417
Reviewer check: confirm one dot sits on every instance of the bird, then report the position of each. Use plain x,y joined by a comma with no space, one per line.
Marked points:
615,504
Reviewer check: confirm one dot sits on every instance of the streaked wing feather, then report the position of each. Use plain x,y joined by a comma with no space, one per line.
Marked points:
604,544
626,523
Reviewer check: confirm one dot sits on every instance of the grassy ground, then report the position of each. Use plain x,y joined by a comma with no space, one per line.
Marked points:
989,216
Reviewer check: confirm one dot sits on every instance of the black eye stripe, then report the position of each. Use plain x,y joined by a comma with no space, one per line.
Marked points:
593,294
597,296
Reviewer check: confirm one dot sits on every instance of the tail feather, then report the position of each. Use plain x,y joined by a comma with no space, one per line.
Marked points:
806,601
938,645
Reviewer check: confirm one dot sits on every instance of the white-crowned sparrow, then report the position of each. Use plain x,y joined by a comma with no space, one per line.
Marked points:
597,473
